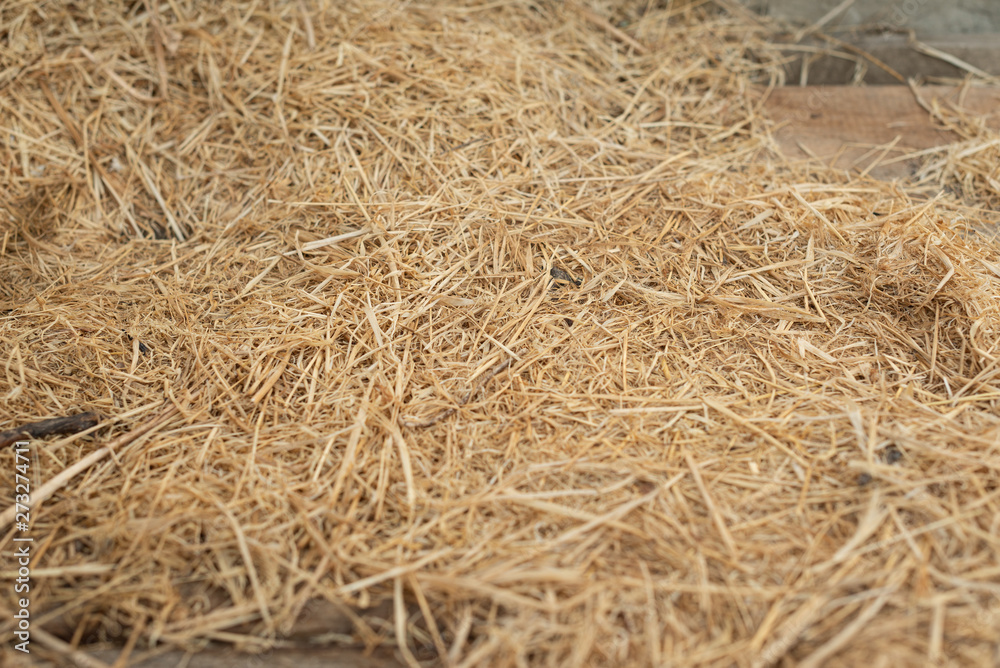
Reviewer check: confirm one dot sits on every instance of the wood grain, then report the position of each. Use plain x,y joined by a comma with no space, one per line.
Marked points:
862,127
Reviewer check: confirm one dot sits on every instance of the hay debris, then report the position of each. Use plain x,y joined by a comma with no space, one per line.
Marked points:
757,425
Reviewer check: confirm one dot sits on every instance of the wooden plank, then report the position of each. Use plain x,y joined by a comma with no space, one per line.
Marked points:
836,63
310,643
863,127
283,657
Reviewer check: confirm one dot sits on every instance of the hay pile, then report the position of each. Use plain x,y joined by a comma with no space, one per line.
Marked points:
499,329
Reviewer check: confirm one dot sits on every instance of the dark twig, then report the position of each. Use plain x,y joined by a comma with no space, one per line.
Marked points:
61,425
56,483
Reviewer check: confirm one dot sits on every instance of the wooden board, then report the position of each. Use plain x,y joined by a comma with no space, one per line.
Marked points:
869,127
283,657
891,59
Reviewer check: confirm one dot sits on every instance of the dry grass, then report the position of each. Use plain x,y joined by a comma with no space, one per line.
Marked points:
309,248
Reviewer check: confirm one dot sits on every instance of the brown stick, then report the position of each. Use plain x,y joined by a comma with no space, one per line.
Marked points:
54,485
70,424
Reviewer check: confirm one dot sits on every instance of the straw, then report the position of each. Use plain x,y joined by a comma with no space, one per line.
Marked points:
500,328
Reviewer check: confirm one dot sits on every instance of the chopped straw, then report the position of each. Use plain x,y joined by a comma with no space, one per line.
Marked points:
497,333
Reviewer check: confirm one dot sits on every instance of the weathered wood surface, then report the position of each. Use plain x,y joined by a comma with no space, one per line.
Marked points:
284,657
869,127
